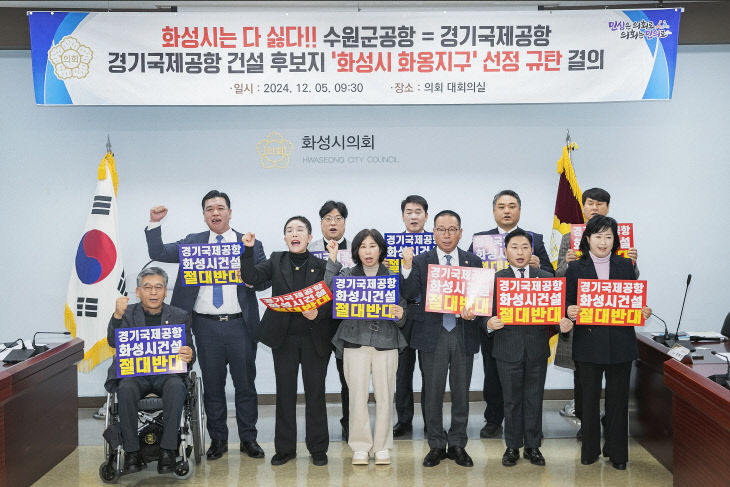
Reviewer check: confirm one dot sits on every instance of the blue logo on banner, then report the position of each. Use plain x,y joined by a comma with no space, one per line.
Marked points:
47,29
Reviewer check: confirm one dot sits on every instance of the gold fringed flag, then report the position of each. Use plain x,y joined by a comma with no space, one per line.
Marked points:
568,209
97,278
568,203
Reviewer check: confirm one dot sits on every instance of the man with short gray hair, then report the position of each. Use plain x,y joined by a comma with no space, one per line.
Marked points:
150,311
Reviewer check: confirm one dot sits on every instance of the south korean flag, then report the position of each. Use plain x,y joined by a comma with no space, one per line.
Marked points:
97,277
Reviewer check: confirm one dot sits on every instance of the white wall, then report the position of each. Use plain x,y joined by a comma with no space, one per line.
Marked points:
663,162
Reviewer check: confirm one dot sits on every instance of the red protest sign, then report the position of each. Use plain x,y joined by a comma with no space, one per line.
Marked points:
311,297
450,288
611,302
530,301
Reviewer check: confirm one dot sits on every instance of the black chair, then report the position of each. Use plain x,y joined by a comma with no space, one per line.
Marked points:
726,326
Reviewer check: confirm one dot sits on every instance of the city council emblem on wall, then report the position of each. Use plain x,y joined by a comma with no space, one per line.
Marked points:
274,151
70,59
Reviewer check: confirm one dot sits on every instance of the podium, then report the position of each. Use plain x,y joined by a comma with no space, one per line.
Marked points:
679,415
38,413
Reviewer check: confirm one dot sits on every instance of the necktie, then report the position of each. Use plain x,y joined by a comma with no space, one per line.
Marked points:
449,320
522,272
217,288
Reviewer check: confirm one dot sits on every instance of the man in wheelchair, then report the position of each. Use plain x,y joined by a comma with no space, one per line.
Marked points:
150,311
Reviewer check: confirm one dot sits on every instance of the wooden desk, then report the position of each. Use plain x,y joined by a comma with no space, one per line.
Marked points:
701,423
651,400
38,413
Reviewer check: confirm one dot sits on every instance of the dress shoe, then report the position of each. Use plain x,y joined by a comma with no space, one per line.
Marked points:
319,459
133,462
401,429
510,457
282,458
619,466
490,430
579,434
217,449
434,457
360,458
252,449
382,457
460,456
534,456
589,461
166,462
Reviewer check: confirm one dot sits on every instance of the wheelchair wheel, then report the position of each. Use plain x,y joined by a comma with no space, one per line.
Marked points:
184,470
108,473
196,419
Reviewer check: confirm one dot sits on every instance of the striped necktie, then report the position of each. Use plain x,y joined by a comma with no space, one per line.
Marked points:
449,322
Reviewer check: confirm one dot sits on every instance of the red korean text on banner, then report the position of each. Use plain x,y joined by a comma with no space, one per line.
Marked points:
611,302
306,299
450,288
625,236
530,301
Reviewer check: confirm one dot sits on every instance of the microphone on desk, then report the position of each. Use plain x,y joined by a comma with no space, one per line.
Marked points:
670,340
16,356
722,379
42,348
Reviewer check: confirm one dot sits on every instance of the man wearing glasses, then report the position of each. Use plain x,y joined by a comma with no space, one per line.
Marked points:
506,207
333,216
447,343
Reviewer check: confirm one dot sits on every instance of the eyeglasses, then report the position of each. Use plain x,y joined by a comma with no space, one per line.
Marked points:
333,219
443,231
295,230
148,289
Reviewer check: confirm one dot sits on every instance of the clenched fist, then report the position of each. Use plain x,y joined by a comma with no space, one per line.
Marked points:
122,303
407,257
249,239
157,213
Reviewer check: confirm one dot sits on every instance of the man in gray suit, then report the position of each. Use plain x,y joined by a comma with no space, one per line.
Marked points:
521,353
447,343
333,219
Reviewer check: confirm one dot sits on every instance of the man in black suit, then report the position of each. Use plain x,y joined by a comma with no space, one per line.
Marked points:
521,353
506,207
414,211
447,343
225,319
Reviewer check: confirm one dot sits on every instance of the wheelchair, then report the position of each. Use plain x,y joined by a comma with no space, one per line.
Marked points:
191,433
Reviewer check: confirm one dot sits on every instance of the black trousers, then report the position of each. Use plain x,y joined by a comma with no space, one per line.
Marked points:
616,445
344,394
577,394
295,351
523,385
404,385
492,392
170,388
224,345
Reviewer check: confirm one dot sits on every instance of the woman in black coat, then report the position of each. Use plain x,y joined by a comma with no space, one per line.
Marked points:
599,350
295,339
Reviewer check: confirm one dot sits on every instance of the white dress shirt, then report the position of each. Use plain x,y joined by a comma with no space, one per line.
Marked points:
204,302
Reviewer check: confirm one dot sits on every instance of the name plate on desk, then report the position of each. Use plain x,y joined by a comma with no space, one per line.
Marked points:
678,352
